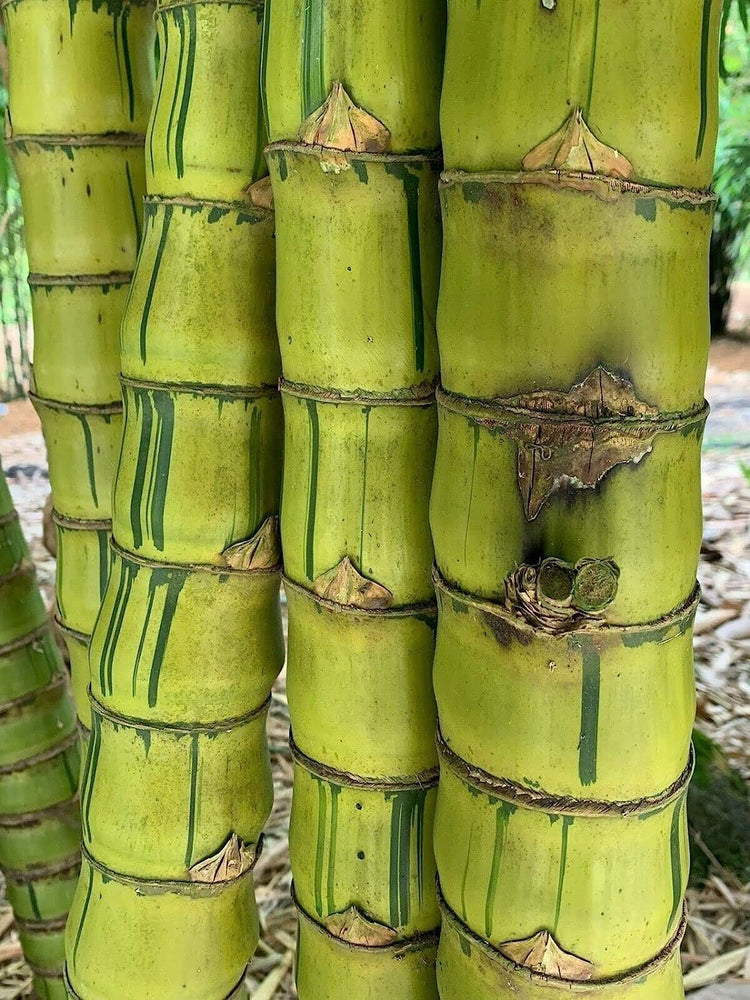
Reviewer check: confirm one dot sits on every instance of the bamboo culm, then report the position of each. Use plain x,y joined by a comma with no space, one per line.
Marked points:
358,254
39,764
566,505
78,150
177,782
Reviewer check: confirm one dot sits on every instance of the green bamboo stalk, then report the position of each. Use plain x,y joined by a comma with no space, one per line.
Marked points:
566,504
80,89
39,764
177,783
358,249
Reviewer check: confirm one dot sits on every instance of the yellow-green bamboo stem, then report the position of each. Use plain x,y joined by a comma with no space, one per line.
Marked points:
39,764
358,248
78,150
565,508
177,782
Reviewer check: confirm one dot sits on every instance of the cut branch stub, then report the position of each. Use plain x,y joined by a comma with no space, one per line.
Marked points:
344,584
355,927
574,148
557,597
339,124
541,953
234,859
262,551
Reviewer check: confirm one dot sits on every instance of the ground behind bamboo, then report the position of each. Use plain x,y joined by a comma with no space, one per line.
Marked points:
717,945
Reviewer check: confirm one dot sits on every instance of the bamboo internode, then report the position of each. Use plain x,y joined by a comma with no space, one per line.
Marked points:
358,253
573,332
177,785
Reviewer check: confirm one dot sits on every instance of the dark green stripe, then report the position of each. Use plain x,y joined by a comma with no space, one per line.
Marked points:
675,861
144,630
466,875
109,634
567,822
95,744
313,83
410,182
502,816
176,581
592,66
162,74
193,807
186,91
126,60
168,209
133,206
34,901
60,576
142,407
70,775
320,847
116,40
179,20
130,574
312,498
263,96
590,696
705,38
407,818
335,792
84,911
89,447
164,407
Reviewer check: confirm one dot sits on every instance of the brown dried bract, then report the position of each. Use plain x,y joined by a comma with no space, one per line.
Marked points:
340,125
234,859
541,953
260,193
600,395
344,584
355,927
262,551
574,148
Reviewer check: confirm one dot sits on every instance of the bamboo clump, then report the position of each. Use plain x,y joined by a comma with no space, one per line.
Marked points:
80,90
566,508
177,784
351,94
39,764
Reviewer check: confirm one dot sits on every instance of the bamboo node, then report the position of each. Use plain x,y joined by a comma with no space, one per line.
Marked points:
344,584
234,859
574,148
262,551
355,927
541,953
338,125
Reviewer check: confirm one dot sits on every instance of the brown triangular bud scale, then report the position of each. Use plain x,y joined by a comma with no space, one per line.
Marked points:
574,148
260,193
234,859
354,927
541,953
344,584
340,125
262,551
